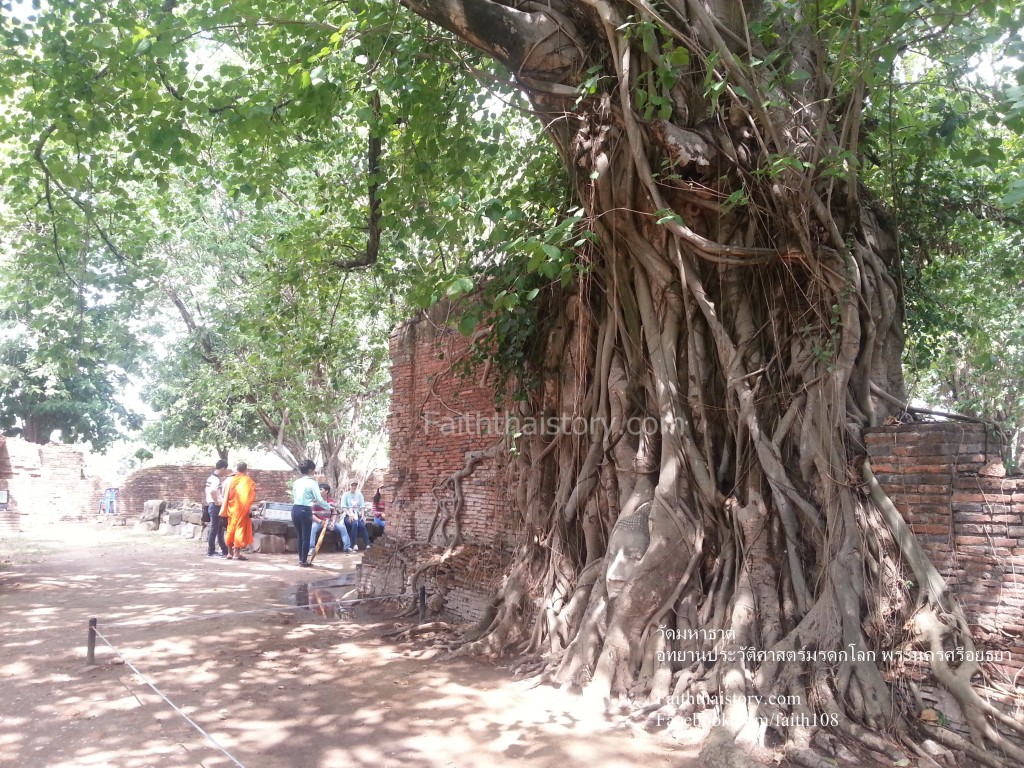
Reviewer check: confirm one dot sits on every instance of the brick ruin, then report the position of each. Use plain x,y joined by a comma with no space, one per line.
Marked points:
944,477
180,486
948,482
170,500
436,419
44,482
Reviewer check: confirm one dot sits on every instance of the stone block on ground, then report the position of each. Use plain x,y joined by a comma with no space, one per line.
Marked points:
273,527
152,510
268,544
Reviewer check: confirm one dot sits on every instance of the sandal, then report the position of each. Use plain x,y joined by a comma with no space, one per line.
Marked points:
241,557
229,557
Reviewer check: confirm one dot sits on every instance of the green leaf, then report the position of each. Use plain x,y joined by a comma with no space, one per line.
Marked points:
1016,194
678,57
459,286
468,323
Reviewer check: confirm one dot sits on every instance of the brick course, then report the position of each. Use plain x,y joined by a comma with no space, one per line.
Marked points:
971,525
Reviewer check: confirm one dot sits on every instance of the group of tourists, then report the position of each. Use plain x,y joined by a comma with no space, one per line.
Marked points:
230,496
313,508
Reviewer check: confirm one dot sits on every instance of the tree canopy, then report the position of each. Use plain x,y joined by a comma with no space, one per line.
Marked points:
113,111
286,184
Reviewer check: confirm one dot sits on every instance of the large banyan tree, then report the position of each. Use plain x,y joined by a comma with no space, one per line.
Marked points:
718,528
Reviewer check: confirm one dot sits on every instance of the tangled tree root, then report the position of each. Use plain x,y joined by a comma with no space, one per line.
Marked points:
735,328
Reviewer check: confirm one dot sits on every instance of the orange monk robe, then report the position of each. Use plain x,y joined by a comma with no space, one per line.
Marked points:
240,496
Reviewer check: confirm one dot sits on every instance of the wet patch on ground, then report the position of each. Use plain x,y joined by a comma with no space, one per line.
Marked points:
327,598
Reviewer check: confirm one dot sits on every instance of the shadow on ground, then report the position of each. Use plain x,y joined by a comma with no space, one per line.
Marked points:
266,664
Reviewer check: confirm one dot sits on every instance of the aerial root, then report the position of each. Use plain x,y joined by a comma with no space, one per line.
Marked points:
981,716
529,667
958,743
808,758
407,633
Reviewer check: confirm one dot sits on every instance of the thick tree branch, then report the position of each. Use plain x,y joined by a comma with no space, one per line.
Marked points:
373,152
537,45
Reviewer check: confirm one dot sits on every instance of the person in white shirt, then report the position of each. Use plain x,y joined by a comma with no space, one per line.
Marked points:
214,497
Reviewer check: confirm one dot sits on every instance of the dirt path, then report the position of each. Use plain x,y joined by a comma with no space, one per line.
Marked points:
274,685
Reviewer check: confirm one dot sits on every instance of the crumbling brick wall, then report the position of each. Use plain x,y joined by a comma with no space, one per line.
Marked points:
947,481
438,419
44,482
180,485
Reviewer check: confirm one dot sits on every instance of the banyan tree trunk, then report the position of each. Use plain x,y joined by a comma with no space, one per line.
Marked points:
716,533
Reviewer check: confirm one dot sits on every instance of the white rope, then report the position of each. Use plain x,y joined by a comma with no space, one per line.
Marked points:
159,693
177,619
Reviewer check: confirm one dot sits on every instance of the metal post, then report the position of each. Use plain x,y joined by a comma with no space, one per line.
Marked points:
423,604
90,653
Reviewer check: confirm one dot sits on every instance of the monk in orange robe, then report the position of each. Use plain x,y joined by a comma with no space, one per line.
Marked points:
238,498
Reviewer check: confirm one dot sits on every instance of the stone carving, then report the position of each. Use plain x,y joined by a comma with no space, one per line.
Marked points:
626,547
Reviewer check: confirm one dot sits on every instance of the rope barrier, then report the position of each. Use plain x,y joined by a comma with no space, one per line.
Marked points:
94,632
307,606
170,703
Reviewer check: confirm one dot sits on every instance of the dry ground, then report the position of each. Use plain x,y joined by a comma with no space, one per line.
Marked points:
273,684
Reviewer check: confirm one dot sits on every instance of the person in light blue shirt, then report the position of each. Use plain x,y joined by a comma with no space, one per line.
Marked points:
352,498
305,494
353,503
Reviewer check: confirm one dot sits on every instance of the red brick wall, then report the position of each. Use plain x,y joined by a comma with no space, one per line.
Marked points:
436,419
44,481
178,485
971,524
